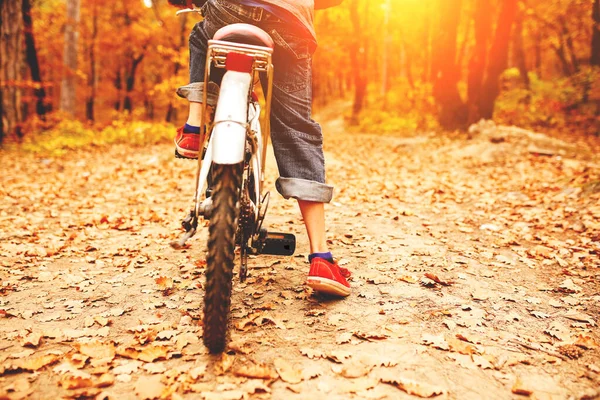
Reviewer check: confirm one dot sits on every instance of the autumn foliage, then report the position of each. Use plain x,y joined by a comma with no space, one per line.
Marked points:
404,64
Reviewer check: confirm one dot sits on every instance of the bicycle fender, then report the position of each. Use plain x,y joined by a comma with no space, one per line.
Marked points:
231,119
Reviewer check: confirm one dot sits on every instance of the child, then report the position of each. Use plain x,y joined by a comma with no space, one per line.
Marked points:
297,139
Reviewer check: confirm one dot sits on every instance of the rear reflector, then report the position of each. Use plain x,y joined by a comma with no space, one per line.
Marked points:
239,62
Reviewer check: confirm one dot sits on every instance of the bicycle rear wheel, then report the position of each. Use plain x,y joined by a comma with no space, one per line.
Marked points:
221,247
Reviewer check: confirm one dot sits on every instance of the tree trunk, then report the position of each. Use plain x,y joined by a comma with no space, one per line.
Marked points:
68,99
562,57
446,73
498,58
12,67
477,63
358,52
93,75
118,82
463,47
518,49
32,59
569,43
130,81
538,55
595,58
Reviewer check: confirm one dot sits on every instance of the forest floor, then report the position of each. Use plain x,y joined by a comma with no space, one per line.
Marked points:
475,262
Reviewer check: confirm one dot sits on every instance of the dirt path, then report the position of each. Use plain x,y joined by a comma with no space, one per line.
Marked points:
475,274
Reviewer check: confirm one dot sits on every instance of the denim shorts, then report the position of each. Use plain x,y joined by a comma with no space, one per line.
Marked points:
297,139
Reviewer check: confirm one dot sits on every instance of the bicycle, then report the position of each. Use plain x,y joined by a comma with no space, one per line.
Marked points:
232,168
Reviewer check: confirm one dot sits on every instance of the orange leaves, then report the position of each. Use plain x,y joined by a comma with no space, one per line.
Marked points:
413,387
153,353
149,387
32,364
164,282
287,372
259,371
149,353
97,350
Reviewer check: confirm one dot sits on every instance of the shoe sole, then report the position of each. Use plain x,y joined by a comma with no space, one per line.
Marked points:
328,286
180,152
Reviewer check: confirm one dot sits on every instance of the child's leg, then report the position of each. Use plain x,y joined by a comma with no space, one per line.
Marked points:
314,221
195,115
298,146
190,137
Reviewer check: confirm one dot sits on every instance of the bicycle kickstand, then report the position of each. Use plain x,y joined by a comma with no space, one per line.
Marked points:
190,224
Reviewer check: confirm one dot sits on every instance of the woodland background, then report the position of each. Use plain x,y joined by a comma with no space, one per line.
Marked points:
77,71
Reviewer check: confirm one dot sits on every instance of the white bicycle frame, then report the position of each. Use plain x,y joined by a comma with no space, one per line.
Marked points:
237,120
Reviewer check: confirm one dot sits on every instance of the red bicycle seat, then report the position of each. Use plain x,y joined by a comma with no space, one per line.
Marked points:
245,34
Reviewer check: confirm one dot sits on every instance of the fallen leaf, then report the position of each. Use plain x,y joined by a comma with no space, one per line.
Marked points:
370,336
313,353
97,349
567,286
558,331
408,279
520,388
166,335
351,370
71,382
197,372
224,364
153,353
164,283
594,368
581,317
154,368
16,390
459,346
33,363
482,361
312,371
105,380
343,337
259,371
149,387
287,372
32,339
339,356
480,294
102,321
437,279
413,387
585,342
185,339
439,342
127,368
240,346
128,352
540,315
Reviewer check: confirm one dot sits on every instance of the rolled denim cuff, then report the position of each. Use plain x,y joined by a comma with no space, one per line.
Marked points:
194,92
303,189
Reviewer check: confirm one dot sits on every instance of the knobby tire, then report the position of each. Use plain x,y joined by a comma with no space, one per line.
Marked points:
221,246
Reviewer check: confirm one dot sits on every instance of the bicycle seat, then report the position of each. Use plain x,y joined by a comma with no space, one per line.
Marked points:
244,34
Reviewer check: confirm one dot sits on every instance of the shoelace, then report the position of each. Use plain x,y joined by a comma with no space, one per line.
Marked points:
344,271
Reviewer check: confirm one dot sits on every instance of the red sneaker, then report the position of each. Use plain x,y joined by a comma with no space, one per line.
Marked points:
186,144
329,278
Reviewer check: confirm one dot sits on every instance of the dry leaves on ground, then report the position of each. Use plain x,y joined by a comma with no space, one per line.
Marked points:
413,387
